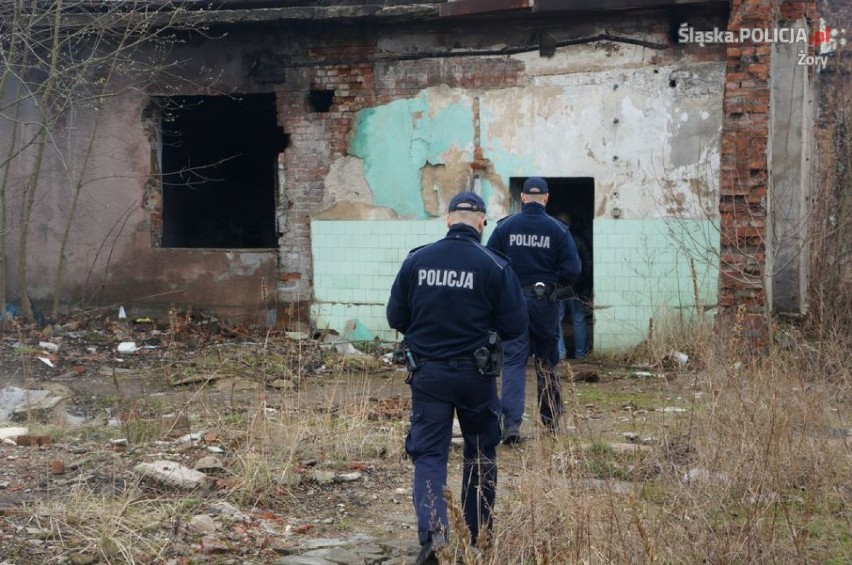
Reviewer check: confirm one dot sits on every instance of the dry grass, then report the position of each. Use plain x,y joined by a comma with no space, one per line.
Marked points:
755,468
758,470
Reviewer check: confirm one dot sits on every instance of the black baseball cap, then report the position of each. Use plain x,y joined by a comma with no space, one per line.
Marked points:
535,185
468,202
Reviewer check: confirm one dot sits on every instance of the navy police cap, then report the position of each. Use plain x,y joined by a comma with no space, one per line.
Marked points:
535,185
467,201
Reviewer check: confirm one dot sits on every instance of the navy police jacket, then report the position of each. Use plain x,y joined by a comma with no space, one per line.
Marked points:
539,246
449,294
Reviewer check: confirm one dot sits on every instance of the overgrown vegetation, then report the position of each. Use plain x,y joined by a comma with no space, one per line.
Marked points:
735,456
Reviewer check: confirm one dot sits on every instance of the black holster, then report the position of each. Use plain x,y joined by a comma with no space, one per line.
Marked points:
403,355
489,357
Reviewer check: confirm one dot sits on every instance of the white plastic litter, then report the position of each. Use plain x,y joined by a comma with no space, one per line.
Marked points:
127,347
681,358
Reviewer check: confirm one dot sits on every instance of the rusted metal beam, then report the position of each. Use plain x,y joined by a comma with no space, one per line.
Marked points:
466,7
604,5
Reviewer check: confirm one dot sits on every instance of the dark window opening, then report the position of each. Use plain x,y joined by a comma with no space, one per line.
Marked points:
571,200
321,100
219,166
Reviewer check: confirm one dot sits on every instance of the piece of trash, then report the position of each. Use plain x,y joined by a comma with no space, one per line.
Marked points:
127,347
144,321
641,374
49,346
11,312
681,358
122,315
46,361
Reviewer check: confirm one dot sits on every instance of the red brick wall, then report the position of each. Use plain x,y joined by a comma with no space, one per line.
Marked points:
744,175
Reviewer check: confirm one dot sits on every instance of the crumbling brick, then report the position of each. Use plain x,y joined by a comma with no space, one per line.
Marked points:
744,169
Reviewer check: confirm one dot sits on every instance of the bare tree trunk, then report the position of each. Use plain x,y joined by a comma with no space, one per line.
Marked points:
3,213
29,200
12,55
32,185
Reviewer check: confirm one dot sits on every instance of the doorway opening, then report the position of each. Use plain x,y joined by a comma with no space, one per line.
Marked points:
572,201
219,170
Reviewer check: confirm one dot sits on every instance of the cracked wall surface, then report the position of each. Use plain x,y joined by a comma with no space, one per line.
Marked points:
645,126
367,178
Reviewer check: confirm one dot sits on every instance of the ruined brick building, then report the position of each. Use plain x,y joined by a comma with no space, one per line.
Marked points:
281,157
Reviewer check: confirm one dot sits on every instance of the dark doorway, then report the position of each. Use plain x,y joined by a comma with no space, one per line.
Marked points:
219,157
572,200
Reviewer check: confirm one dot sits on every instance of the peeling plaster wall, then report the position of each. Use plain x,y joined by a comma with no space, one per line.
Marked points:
112,256
647,132
400,138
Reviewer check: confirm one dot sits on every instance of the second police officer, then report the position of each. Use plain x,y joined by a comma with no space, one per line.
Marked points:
450,299
544,257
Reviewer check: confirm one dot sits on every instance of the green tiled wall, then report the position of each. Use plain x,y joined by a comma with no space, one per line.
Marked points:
355,263
641,271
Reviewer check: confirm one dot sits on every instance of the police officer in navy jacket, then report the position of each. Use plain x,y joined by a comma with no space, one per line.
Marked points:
446,299
543,255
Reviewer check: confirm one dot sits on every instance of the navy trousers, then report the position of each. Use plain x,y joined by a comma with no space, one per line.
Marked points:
438,388
541,342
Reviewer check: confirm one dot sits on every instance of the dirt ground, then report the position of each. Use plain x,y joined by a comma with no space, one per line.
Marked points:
171,369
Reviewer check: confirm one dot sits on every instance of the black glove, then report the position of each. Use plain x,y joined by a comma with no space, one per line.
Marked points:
554,296
563,292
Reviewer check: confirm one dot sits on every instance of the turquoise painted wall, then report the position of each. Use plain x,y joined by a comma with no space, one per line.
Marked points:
398,139
642,270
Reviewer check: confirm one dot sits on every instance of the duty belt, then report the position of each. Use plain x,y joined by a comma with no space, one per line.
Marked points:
468,357
530,289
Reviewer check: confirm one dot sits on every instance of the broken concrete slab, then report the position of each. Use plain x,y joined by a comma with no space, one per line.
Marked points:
13,432
18,404
298,336
171,474
338,344
44,409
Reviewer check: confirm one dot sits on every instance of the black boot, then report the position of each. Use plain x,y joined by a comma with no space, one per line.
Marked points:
427,555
